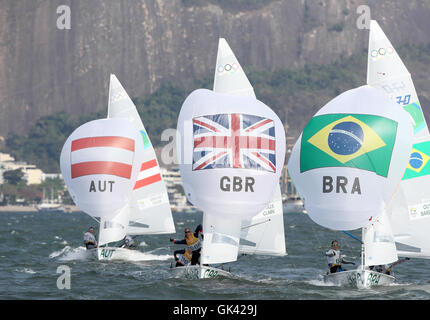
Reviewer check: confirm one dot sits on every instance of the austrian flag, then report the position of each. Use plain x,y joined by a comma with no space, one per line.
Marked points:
234,141
88,154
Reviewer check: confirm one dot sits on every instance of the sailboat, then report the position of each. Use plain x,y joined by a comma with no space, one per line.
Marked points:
263,233
221,175
149,210
409,210
347,164
100,162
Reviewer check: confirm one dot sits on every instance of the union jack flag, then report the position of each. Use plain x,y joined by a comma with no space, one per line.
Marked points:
234,141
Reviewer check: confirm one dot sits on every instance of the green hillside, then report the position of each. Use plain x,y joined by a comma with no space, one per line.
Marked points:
295,95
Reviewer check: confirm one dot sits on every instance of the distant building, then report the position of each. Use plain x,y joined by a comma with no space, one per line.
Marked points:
51,176
32,174
4,157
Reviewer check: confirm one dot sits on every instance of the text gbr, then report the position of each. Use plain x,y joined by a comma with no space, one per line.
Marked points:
341,184
237,184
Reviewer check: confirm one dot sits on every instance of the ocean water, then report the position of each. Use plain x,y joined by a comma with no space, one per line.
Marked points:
33,246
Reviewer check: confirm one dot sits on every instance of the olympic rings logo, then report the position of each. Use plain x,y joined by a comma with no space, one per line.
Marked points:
231,68
382,52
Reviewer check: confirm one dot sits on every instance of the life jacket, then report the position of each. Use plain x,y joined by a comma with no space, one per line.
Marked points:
193,243
185,258
89,238
334,260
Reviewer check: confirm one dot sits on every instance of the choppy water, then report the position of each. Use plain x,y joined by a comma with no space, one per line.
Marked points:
34,245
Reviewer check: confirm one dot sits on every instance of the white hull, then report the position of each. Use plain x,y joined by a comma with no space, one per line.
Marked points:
113,253
359,278
199,272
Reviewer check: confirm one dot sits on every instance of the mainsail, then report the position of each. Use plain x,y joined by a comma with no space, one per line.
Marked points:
263,233
409,210
379,246
149,206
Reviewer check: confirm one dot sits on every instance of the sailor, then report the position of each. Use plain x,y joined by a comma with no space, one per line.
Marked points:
128,243
183,257
193,242
335,259
90,239
385,269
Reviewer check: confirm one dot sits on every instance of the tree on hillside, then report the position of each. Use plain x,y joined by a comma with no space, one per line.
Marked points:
14,177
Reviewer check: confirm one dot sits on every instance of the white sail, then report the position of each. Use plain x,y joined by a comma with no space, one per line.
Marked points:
350,157
229,75
221,238
100,163
387,73
260,227
409,209
149,207
379,246
264,233
114,229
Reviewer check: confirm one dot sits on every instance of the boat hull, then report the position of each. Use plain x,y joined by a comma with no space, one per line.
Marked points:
200,272
359,278
112,253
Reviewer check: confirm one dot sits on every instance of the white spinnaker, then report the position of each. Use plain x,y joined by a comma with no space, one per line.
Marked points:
100,162
379,246
264,233
114,229
320,164
407,210
229,76
149,207
261,234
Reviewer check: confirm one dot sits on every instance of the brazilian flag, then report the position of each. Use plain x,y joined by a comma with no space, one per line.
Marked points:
419,164
348,140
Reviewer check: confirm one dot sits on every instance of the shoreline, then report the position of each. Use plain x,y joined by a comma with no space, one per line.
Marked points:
15,208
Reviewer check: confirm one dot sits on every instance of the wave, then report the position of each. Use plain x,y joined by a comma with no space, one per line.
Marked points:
68,253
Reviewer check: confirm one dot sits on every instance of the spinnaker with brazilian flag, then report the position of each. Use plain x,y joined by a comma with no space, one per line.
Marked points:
348,140
350,158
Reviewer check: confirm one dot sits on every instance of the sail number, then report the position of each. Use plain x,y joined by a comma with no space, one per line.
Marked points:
237,184
106,253
341,184
210,273
404,101
102,186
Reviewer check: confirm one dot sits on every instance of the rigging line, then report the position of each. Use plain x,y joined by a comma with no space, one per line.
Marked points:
255,224
319,244
352,236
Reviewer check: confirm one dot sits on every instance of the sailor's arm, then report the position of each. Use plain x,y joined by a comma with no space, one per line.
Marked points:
330,253
342,258
199,229
178,241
